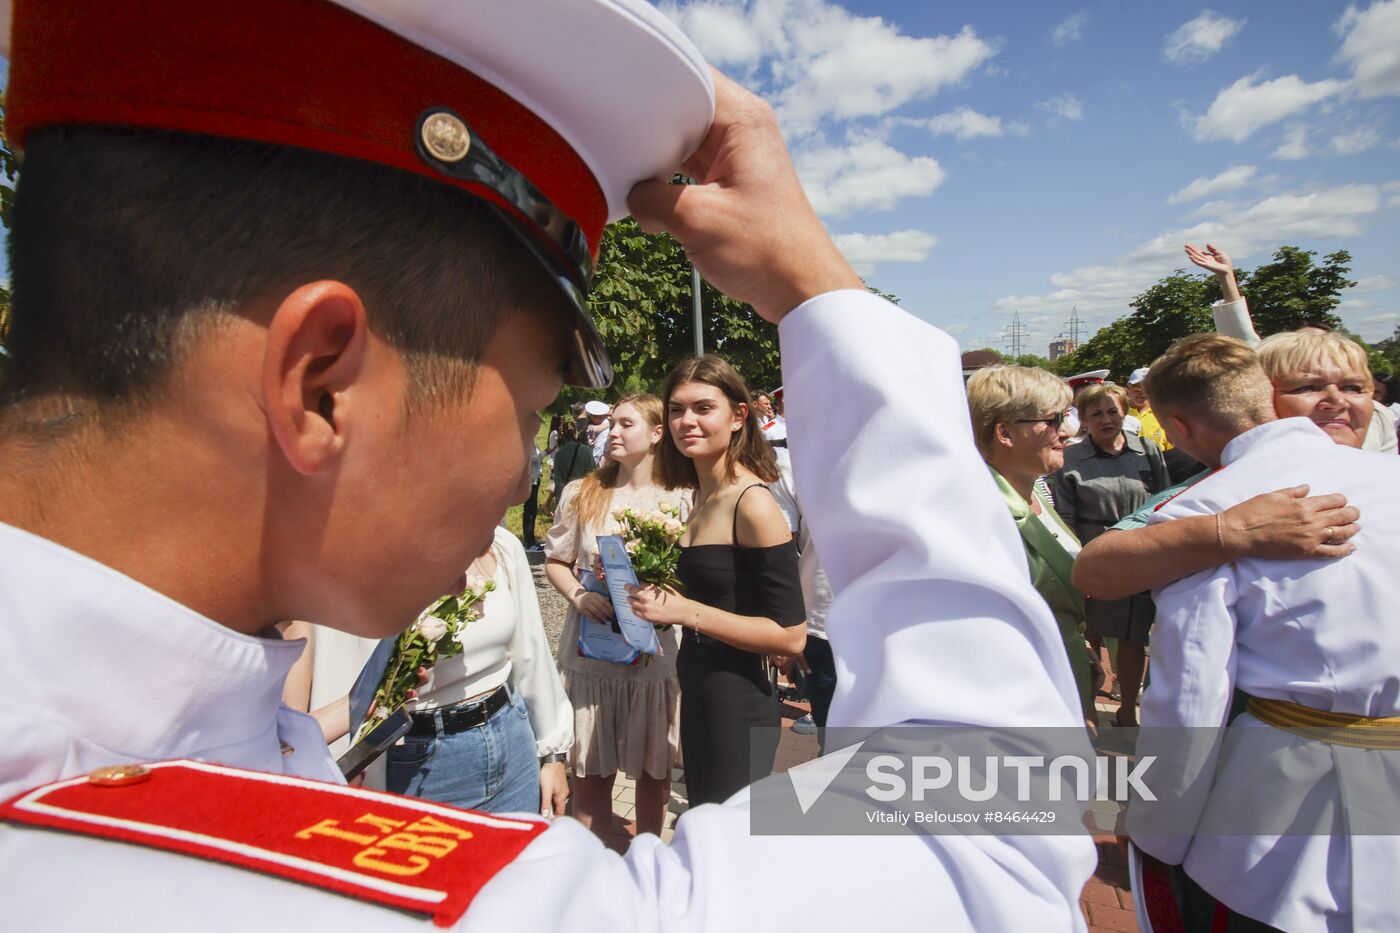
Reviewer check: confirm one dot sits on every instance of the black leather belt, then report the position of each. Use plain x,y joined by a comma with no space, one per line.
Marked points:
462,717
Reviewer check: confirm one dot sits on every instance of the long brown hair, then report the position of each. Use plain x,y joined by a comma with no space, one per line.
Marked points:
595,490
747,446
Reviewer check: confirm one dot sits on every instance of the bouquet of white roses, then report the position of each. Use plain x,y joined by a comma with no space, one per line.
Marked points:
431,638
653,542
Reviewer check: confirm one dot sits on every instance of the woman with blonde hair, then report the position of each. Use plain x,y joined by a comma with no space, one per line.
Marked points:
625,716
1324,377
1019,425
742,602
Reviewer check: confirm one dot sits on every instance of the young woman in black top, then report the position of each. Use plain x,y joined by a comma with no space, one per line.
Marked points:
742,601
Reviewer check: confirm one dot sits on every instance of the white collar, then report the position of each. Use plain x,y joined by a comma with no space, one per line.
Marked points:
126,667
1297,431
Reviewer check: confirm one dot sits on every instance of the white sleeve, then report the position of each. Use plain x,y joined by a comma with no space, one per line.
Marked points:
921,622
1193,681
925,628
532,669
1232,319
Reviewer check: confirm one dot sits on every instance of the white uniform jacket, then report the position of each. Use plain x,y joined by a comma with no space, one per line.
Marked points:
1321,633
925,628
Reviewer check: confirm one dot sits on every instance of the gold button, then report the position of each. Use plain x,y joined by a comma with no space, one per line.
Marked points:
118,775
446,137
287,749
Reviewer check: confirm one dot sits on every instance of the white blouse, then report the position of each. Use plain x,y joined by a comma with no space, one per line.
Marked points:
507,644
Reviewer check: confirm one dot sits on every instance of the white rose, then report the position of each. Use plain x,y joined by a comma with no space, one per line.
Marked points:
432,628
674,527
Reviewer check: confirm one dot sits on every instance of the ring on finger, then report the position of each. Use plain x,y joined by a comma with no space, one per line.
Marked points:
1328,539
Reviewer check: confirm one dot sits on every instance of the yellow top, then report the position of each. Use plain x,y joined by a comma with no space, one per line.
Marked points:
1152,428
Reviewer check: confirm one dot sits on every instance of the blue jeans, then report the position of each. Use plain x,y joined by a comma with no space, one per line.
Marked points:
821,682
492,767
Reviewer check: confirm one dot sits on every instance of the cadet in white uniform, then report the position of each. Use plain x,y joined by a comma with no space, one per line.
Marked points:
111,658
1317,634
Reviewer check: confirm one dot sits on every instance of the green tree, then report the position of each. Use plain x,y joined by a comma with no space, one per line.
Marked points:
1033,360
1292,290
642,306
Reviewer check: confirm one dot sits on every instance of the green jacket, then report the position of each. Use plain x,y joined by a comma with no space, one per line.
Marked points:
1050,566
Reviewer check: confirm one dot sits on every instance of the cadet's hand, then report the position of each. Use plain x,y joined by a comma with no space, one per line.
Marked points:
1284,525
554,789
747,224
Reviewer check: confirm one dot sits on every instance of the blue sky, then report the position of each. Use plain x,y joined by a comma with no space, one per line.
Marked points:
1037,157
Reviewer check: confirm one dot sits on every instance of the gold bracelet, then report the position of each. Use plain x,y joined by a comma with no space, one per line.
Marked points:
1219,533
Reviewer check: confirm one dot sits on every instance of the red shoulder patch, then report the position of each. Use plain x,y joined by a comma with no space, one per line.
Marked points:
398,851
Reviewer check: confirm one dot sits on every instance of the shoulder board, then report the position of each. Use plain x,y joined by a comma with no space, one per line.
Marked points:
396,851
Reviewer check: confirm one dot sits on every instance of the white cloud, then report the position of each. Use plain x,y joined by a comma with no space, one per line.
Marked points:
1200,38
865,250
1294,145
1244,107
1357,140
955,329
865,174
1373,283
724,33
1228,180
824,62
1071,28
965,123
1063,105
1371,47
1102,292
1392,189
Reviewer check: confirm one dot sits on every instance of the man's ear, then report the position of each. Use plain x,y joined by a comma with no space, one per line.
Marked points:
1002,436
316,344
1178,429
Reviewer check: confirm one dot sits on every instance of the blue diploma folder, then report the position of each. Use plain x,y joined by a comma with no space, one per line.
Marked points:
598,640
617,567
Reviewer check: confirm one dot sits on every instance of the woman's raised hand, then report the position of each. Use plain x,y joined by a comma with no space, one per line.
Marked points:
1211,259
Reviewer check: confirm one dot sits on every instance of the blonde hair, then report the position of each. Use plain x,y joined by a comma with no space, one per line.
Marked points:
1005,394
1217,379
595,489
1291,352
1091,396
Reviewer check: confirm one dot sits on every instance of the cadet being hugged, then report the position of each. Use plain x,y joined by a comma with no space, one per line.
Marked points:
292,282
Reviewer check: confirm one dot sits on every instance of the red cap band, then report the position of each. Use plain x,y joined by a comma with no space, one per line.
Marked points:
301,73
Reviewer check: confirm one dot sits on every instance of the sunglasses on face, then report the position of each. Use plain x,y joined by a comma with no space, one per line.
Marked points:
1053,421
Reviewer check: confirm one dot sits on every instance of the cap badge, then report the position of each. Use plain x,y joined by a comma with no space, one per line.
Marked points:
446,136
118,775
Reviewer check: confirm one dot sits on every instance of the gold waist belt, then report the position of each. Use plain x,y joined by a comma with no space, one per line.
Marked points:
1332,728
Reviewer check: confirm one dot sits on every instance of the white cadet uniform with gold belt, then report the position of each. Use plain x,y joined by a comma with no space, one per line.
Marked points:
1320,633
925,630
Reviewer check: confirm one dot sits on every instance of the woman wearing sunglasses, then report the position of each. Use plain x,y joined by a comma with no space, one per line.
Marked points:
1018,422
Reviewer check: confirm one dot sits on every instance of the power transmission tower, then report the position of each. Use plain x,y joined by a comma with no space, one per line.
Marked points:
1076,327
1015,335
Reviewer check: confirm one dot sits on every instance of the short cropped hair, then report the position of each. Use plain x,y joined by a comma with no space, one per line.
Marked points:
1005,394
1291,352
1092,395
127,244
1213,378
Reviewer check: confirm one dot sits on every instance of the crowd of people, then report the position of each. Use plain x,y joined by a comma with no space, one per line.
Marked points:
285,313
